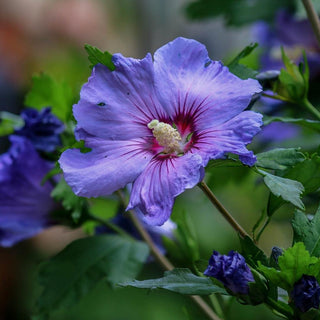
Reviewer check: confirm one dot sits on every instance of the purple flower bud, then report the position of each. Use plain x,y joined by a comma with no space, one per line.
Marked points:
41,128
306,293
231,270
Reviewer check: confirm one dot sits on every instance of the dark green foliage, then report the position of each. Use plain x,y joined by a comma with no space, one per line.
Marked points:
76,207
83,264
307,231
252,253
237,12
293,263
279,159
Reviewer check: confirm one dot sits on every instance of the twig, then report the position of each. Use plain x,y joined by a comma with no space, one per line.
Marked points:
313,18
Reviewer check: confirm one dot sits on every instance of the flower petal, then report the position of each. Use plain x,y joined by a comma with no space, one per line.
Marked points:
111,165
189,84
154,190
119,104
231,136
25,202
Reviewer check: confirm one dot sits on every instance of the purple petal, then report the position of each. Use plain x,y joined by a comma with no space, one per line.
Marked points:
231,136
25,202
189,83
154,190
118,105
107,168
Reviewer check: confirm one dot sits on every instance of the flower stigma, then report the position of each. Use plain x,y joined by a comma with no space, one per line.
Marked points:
167,136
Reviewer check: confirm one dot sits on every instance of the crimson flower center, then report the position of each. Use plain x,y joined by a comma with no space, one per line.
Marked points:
167,136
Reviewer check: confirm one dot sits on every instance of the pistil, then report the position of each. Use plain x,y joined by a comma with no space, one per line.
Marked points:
167,136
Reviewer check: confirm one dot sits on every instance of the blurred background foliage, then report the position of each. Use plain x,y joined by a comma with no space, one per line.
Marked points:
48,36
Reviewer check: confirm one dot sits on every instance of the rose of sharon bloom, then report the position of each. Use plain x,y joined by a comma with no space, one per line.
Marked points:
24,202
231,270
306,293
157,124
42,128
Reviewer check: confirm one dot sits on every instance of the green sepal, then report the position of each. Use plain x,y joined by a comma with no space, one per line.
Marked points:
293,81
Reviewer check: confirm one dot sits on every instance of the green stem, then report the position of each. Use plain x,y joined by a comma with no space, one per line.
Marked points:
262,229
311,108
277,307
163,261
313,18
234,224
110,226
277,97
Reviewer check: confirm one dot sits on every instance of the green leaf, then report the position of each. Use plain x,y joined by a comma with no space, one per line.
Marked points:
252,253
307,231
279,159
180,281
307,173
311,124
46,92
289,190
240,70
75,206
96,56
83,264
293,263
9,122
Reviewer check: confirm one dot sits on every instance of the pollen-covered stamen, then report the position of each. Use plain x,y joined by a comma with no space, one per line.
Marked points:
167,136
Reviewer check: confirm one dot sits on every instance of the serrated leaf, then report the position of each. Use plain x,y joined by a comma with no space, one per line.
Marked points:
311,124
180,281
96,56
307,231
293,263
279,159
307,173
46,92
83,264
76,206
289,190
9,122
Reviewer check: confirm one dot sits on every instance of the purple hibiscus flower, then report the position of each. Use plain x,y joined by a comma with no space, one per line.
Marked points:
231,270
157,124
306,293
41,128
294,36
24,202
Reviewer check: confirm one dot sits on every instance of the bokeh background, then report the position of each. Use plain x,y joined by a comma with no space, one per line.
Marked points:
48,36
